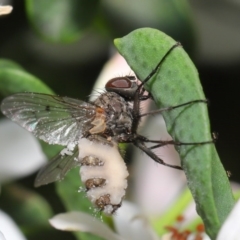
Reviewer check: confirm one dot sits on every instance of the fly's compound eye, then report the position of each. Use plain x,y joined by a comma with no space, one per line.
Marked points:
124,86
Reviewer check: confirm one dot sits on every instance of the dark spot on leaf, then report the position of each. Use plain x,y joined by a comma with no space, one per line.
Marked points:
183,89
166,87
173,91
180,132
169,73
144,64
174,58
187,118
191,138
180,99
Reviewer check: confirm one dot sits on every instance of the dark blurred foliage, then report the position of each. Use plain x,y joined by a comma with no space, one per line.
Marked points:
71,68
218,62
19,43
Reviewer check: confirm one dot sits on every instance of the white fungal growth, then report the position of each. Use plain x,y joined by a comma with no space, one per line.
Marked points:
68,150
71,146
104,174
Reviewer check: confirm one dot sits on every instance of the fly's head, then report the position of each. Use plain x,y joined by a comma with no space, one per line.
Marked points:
123,86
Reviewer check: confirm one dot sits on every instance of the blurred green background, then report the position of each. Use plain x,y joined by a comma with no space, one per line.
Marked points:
65,43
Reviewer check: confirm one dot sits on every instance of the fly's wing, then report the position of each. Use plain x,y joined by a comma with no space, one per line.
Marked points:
54,119
57,168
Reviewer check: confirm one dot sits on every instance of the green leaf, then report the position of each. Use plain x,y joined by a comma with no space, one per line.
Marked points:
5,63
13,80
28,208
177,82
61,20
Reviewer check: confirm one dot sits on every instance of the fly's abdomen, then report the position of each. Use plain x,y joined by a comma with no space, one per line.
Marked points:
104,173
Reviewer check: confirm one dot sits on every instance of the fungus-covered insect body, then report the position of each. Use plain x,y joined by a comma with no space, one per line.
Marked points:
91,132
104,173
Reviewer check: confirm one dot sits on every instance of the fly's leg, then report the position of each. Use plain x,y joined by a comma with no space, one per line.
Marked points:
161,143
173,107
152,155
178,44
140,143
176,143
140,90
146,97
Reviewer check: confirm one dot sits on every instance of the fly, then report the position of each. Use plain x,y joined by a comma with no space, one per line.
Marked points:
111,119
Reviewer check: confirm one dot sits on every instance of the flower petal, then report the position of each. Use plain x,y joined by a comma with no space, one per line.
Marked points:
130,224
2,236
9,229
79,221
167,236
231,227
5,10
20,154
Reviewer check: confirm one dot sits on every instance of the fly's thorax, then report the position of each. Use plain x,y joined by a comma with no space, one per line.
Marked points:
118,115
99,122
103,172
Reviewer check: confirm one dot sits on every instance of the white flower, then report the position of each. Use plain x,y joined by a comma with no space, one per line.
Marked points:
231,227
5,10
8,229
20,156
2,236
21,153
79,221
129,224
